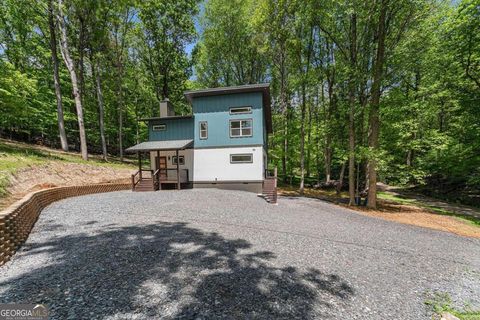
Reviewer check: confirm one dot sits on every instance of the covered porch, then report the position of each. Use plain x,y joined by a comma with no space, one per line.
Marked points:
158,175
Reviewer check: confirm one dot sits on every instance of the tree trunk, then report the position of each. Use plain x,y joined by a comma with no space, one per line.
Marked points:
137,117
374,121
101,123
304,110
338,187
309,138
120,113
302,141
351,95
56,78
328,138
332,106
285,145
73,76
119,49
317,121
81,53
283,107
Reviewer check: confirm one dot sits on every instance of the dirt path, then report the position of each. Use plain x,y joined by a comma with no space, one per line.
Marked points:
435,203
57,174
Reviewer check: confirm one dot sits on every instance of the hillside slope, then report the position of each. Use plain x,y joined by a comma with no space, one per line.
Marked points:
25,168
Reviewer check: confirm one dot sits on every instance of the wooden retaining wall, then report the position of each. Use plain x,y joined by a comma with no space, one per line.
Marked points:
17,221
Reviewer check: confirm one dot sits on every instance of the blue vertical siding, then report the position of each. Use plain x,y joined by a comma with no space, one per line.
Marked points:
216,111
177,129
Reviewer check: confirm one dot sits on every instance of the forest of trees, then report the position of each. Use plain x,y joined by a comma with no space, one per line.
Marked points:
362,91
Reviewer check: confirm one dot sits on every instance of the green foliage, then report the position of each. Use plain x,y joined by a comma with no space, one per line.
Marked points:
441,302
230,51
138,48
429,114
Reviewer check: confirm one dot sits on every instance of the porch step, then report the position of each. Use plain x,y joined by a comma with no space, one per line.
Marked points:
269,192
144,185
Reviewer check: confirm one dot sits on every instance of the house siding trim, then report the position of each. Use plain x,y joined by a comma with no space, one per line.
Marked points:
216,111
213,165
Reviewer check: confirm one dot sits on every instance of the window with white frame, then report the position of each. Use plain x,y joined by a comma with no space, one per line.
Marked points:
241,158
241,128
182,160
159,127
240,110
203,130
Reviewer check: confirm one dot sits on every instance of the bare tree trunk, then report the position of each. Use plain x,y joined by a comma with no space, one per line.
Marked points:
73,76
101,123
374,121
56,78
351,95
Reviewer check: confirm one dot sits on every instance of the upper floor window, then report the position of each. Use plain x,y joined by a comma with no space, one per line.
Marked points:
240,110
159,127
203,130
241,128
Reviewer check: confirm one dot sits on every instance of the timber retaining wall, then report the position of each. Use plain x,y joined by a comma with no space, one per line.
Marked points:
17,221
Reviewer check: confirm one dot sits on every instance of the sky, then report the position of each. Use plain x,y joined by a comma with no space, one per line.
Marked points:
198,27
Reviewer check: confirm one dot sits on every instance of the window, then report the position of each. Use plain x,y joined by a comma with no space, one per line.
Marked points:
240,110
182,160
241,158
203,130
159,127
241,128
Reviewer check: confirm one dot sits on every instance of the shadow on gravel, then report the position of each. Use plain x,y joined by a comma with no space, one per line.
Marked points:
169,270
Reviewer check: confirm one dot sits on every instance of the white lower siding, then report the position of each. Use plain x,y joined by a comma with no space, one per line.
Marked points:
214,165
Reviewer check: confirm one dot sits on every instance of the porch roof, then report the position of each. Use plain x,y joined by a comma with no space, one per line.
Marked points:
161,145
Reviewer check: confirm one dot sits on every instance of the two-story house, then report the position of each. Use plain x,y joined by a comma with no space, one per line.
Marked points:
222,144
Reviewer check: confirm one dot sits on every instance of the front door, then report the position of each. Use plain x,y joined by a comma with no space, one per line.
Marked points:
162,165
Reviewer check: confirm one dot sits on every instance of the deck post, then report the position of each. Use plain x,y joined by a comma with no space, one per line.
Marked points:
140,164
178,170
157,167
275,175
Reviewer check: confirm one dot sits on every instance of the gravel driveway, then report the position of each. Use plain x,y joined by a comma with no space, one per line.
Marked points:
206,253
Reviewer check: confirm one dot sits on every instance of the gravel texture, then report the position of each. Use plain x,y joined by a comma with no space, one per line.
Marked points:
207,254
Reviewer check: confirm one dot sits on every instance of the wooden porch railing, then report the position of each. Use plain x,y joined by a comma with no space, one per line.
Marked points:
270,186
164,175
139,175
159,176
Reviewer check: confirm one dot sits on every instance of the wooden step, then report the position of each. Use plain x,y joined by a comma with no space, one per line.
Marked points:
144,185
269,190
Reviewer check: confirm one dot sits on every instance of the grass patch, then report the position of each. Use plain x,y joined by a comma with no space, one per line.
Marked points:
408,201
441,302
